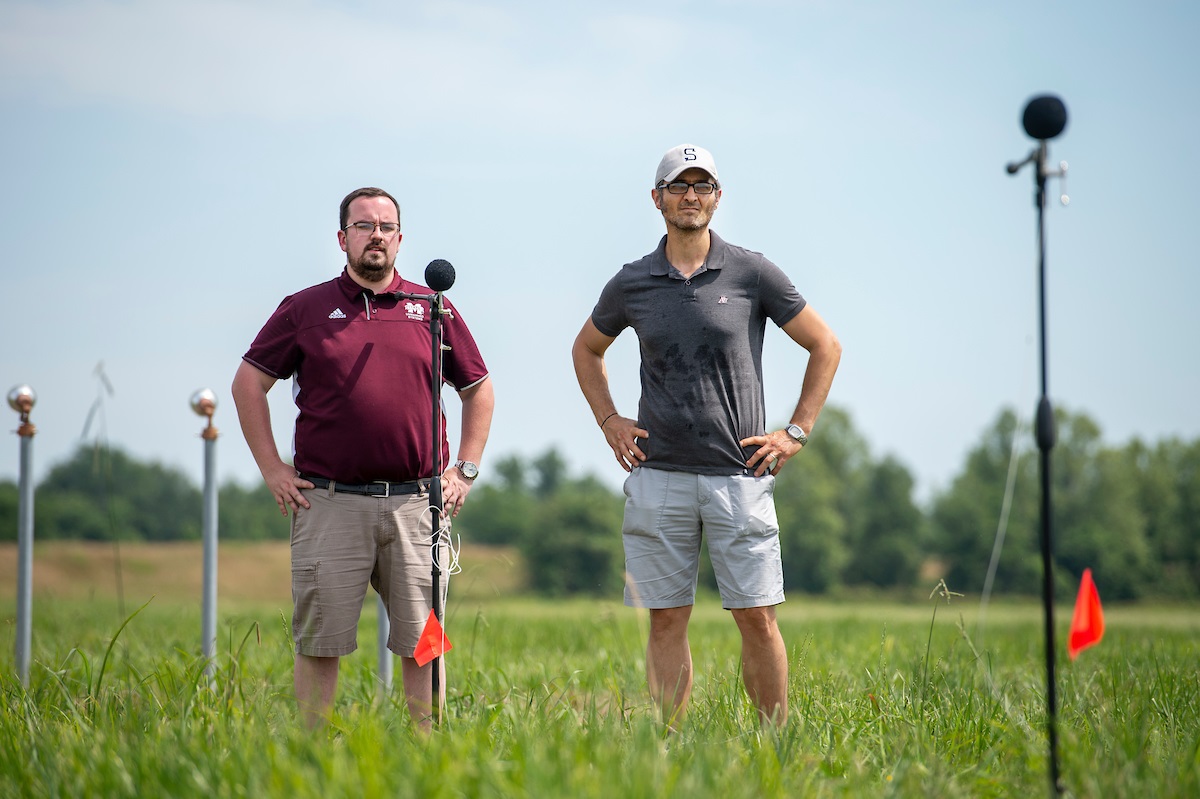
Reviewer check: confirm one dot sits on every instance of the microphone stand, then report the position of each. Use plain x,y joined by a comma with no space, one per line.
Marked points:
1046,437
436,311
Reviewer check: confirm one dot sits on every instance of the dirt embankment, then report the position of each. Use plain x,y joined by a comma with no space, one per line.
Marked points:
246,571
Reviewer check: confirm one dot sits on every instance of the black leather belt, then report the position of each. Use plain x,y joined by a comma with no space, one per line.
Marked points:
380,488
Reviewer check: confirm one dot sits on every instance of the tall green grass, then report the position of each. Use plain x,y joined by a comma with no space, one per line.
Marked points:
549,699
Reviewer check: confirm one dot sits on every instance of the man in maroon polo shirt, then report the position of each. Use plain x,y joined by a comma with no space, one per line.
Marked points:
360,362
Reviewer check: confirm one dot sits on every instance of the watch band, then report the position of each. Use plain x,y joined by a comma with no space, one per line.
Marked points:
797,433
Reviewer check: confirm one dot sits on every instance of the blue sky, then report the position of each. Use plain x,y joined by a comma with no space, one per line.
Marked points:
171,170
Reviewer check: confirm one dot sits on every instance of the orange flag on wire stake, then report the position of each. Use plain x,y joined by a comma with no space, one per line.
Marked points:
433,643
1087,625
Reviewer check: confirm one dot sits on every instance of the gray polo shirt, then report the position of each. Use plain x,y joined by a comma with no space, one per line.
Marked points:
701,342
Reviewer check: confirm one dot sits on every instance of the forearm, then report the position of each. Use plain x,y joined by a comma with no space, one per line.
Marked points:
823,360
592,375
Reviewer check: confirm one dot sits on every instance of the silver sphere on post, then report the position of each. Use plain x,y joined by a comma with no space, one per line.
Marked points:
204,402
22,398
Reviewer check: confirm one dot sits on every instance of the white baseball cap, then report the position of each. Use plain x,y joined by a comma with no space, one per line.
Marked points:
685,156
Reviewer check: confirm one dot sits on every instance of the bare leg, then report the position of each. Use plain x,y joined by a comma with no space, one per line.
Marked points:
315,679
764,662
669,662
418,690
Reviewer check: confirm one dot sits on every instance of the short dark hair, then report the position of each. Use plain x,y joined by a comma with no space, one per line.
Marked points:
368,191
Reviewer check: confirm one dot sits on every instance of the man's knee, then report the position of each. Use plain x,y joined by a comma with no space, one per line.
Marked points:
759,623
669,622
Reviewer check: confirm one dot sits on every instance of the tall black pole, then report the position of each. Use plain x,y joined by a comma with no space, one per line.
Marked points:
440,277
1045,441
435,490
1044,118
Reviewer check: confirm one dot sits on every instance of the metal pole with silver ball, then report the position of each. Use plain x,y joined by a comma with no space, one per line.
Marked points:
204,403
22,399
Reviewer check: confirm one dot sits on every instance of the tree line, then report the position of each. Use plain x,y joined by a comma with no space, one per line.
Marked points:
848,520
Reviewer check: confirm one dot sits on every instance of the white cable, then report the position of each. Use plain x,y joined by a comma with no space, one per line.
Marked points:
443,536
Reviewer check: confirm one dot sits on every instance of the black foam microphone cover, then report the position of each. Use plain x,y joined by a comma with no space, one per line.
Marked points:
1045,117
439,275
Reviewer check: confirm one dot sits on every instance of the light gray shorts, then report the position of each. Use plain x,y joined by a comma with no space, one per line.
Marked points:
345,542
667,514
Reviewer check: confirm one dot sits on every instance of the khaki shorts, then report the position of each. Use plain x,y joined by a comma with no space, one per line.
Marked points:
342,543
667,514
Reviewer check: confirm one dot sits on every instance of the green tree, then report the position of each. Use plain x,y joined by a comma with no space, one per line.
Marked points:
551,471
102,486
1167,491
10,504
568,529
1187,538
964,517
249,514
575,546
888,545
819,500
500,510
812,526
1098,522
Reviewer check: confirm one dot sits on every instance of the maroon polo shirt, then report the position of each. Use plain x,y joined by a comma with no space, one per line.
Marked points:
361,364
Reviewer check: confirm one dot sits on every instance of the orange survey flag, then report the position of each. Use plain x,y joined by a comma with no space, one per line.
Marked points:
1087,625
433,643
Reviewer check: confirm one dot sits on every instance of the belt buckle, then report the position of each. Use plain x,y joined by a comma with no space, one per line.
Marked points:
387,489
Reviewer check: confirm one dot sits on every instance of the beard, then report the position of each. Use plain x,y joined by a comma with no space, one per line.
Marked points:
372,265
698,221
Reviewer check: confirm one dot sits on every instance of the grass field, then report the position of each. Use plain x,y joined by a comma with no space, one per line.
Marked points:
548,698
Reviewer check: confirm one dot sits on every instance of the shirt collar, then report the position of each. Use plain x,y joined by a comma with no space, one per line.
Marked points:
659,265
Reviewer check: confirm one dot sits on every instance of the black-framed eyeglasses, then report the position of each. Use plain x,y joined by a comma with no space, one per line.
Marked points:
388,229
682,186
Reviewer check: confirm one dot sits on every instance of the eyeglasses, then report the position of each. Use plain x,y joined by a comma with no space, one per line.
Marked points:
682,186
388,229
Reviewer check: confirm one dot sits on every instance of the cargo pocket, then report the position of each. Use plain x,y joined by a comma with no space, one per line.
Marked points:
306,610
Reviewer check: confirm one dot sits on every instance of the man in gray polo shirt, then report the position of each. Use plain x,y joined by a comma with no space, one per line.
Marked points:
700,457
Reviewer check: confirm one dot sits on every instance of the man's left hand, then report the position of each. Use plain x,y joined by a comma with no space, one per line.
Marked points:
455,488
774,450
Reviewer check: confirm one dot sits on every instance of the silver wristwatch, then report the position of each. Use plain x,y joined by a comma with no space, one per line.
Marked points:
468,470
796,432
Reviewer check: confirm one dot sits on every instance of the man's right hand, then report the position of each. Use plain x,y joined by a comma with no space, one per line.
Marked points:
623,435
285,485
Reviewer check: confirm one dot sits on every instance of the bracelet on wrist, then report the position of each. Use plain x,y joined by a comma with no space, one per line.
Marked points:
606,418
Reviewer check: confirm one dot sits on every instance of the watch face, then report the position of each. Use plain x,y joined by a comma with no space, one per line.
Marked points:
469,470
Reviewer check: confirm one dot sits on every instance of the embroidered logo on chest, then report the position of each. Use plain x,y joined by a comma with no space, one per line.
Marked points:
414,311
723,301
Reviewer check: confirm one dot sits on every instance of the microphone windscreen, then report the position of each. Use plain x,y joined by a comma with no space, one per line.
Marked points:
1045,117
439,275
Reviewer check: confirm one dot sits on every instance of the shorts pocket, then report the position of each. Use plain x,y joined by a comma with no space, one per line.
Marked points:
755,509
306,605
641,517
